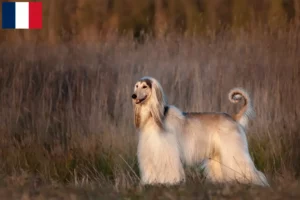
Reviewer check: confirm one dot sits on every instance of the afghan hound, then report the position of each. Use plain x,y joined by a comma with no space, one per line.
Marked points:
169,139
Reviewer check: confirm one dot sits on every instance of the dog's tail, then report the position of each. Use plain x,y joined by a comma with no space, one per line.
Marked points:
247,112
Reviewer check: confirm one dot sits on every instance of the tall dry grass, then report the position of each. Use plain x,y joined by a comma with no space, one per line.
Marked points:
66,113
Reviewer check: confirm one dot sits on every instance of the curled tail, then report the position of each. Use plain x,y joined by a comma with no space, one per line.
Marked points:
247,112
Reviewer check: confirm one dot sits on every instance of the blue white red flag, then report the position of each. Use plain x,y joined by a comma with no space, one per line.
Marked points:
21,15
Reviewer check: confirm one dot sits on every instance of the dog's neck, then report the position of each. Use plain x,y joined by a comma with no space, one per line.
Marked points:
142,116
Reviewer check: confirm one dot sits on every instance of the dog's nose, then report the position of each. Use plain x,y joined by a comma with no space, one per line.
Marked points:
134,96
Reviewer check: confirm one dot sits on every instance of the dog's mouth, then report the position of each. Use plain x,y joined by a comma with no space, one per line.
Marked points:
138,101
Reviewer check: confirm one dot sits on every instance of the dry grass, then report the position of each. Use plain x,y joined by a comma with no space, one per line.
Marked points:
66,113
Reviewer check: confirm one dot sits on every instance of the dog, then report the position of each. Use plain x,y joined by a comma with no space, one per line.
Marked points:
170,139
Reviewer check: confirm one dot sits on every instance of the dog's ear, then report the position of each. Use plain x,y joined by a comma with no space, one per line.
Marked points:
157,104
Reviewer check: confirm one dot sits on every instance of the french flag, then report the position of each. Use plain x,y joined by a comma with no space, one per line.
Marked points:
21,15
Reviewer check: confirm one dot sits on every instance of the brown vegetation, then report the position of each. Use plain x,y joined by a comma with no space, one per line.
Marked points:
66,114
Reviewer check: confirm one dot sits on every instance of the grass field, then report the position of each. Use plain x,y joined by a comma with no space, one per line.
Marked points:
66,126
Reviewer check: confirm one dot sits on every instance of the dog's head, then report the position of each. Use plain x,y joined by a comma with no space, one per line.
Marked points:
149,93
142,91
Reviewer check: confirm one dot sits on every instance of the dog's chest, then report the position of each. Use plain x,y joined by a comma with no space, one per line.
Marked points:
151,142
155,145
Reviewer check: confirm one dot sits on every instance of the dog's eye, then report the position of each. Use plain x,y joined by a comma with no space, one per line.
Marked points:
136,86
144,86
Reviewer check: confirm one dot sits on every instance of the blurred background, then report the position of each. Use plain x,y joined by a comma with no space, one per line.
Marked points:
81,20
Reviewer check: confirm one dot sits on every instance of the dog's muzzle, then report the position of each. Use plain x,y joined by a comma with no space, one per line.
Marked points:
137,101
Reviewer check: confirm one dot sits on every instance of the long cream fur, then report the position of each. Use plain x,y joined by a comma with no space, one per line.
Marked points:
169,138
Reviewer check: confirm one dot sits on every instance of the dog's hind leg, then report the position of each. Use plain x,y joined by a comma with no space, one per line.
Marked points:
212,166
213,170
236,162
